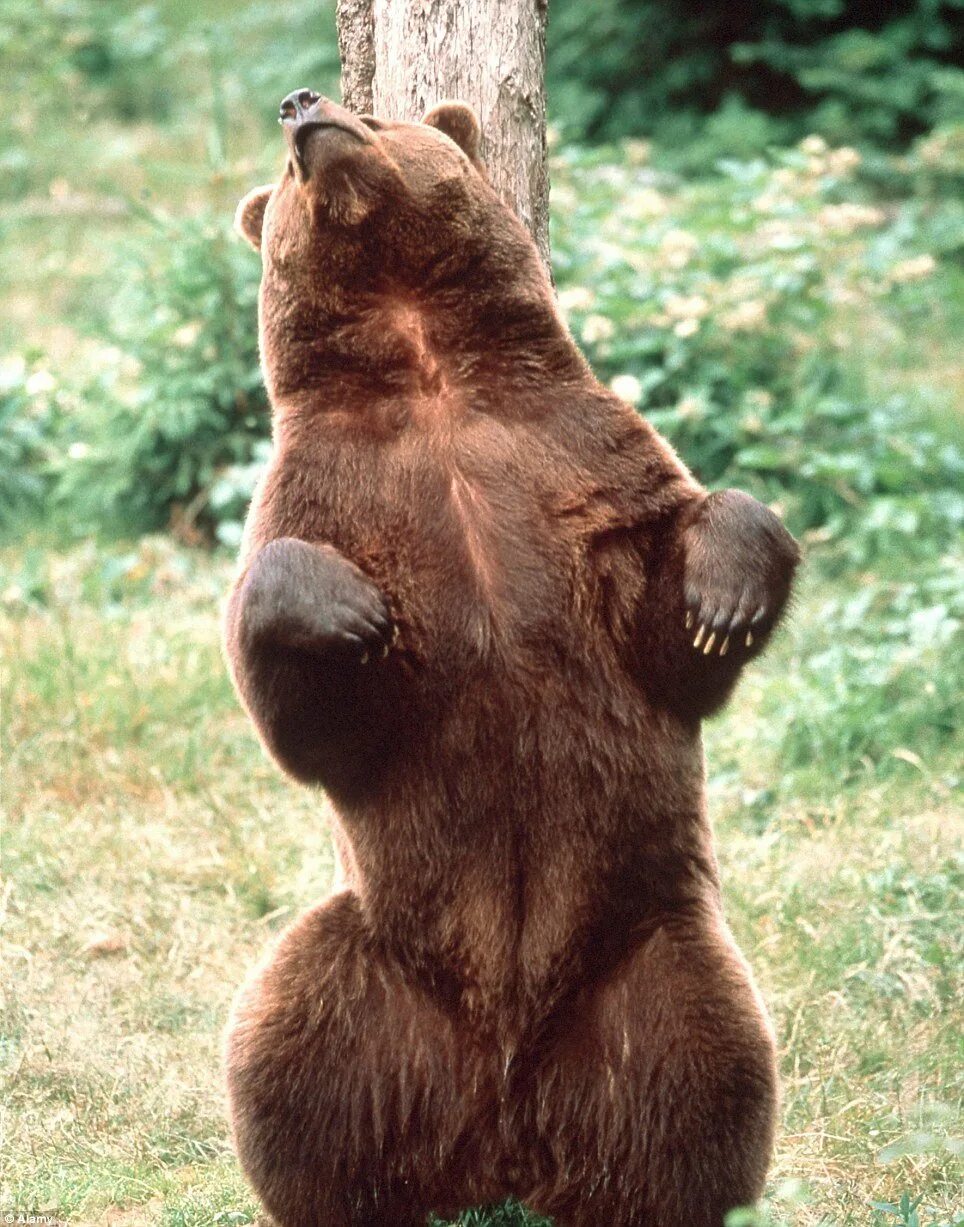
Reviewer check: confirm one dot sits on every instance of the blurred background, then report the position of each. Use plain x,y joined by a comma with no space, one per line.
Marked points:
758,232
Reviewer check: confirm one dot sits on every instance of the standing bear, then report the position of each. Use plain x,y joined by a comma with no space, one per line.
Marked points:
485,607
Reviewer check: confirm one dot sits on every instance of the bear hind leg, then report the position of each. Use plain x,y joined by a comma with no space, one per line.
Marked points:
657,1102
354,1102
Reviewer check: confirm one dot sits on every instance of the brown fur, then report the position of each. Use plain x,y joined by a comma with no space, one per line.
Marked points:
461,609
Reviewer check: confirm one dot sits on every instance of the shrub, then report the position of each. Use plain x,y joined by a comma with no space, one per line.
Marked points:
176,397
877,677
160,63
705,79
742,315
26,419
733,313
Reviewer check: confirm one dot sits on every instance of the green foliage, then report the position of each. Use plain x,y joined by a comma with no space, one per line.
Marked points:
110,56
881,73
732,314
741,314
74,65
878,677
26,416
511,1214
907,1212
176,397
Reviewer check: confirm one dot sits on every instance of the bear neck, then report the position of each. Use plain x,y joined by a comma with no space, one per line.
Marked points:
472,332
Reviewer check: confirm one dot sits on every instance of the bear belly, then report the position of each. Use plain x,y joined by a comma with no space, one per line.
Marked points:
525,804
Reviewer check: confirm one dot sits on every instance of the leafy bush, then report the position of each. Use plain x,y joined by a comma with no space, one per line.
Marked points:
26,417
732,313
742,315
764,72
158,63
176,397
877,677
109,56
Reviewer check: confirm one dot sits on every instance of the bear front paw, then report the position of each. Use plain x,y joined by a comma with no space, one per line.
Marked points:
739,565
736,618
300,595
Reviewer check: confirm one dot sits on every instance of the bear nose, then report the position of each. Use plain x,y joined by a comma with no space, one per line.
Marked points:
297,105
304,112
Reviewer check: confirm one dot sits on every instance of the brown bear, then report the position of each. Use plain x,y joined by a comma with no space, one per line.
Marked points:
483,604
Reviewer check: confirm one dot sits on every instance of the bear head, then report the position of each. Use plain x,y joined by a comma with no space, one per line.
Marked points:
355,182
370,212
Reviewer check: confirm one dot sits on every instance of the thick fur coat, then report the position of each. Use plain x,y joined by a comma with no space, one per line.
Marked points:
467,605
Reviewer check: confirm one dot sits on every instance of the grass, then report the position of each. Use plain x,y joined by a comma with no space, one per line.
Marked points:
150,851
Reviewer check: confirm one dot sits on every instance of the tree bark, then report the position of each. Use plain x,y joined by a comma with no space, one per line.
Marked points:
400,57
356,47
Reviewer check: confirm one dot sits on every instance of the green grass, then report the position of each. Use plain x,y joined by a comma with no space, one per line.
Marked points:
150,851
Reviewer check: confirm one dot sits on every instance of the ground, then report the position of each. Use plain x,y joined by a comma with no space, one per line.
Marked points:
151,851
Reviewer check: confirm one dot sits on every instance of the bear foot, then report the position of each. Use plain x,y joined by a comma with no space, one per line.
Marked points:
739,565
299,595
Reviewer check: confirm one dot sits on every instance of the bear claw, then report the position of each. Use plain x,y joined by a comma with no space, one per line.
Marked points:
705,643
383,649
716,631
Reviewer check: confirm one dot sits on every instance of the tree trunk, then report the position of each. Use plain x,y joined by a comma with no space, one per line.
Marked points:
400,57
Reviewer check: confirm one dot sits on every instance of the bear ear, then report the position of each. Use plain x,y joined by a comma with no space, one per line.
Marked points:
458,121
249,215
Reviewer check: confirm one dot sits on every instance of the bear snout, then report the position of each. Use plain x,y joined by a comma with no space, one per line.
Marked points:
304,113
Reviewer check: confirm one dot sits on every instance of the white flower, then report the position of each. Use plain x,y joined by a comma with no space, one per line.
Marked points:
848,217
39,383
914,269
596,328
637,151
12,369
677,248
681,307
933,150
843,160
813,145
78,451
780,236
646,202
746,316
627,387
563,197
687,327
187,334
576,298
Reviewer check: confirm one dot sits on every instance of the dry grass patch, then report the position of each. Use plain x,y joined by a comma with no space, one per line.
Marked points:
150,852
